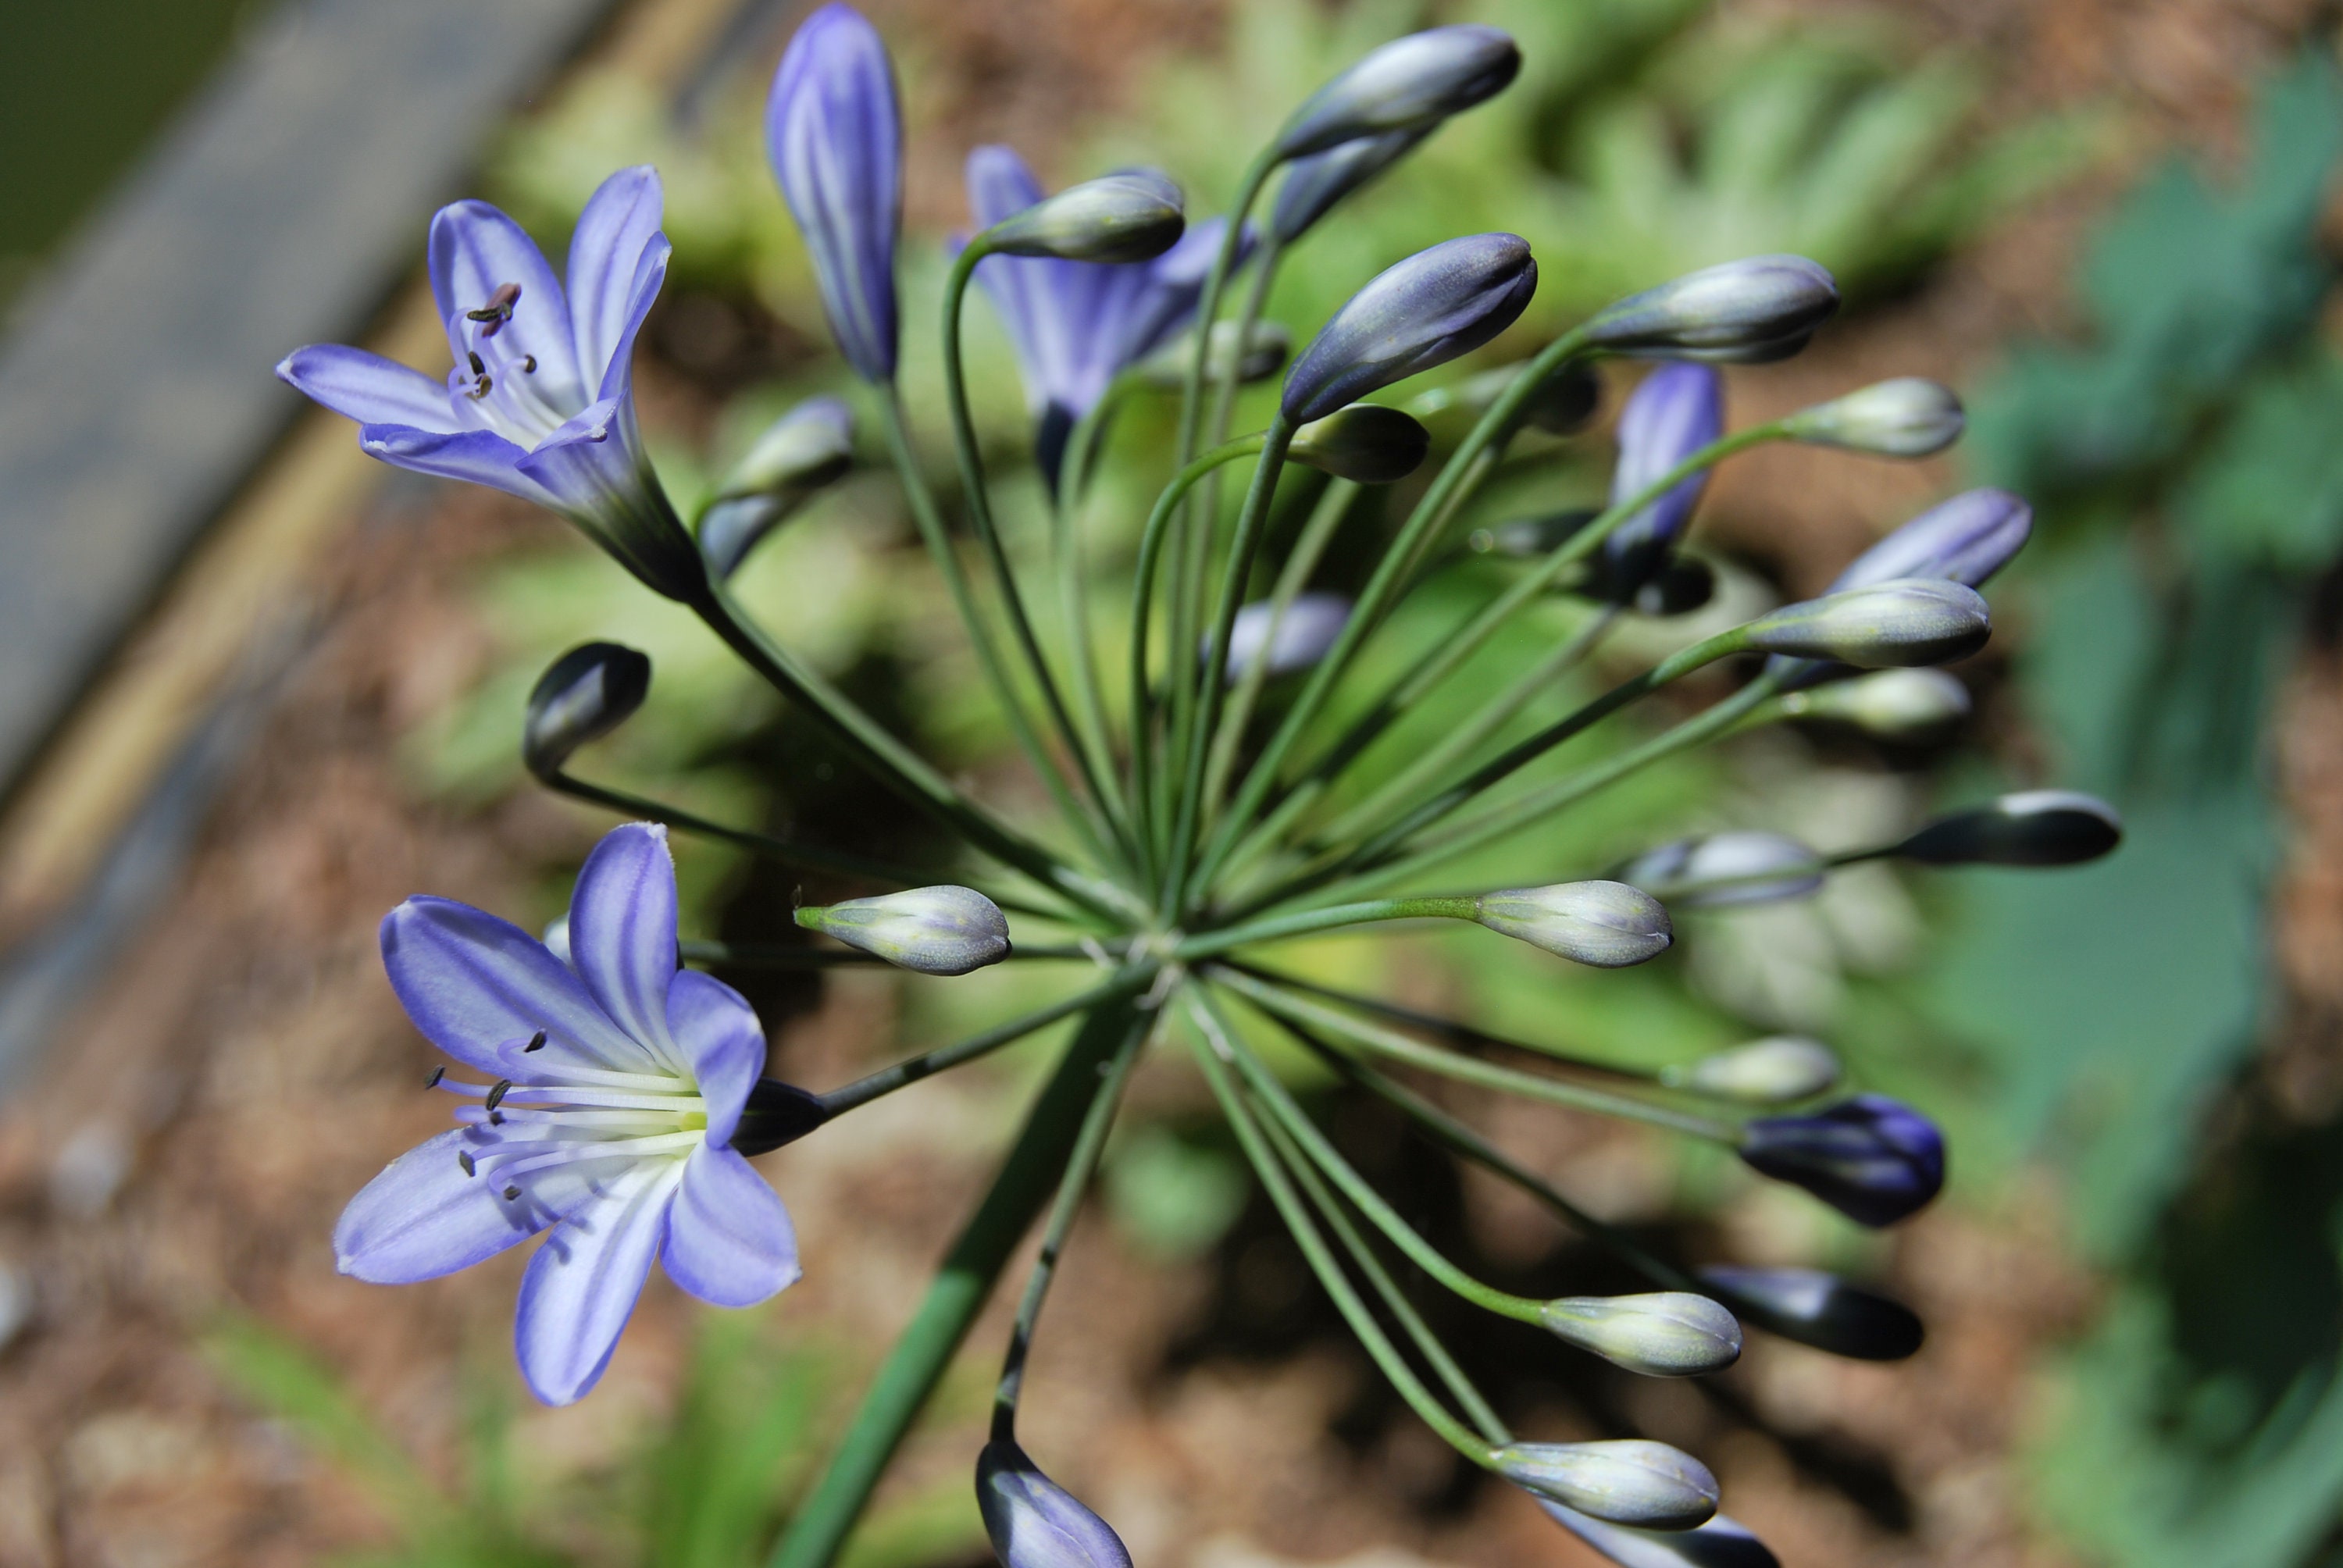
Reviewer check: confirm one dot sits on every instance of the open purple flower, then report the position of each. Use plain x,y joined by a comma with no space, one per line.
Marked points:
1673,413
1074,325
541,401
619,1081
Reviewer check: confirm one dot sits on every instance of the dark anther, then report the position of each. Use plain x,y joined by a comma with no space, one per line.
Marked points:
536,1041
498,310
481,390
437,1074
528,364
478,366
464,1158
497,1095
512,1192
496,1119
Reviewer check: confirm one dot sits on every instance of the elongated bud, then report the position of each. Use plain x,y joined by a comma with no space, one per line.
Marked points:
1820,1309
806,450
1560,403
1875,1159
1725,869
2035,827
1308,629
1267,346
1966,540
1906,418
1435,305
1675,411
1034,1522
1134,215
1902,622
1609,925
1890,704
1771,1072
1313,184
1626,1481
583,695
1744,312
1409,82
943,931
1365,443
1719,1543
1664,1333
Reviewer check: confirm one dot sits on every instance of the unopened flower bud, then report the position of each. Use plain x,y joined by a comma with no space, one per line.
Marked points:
1628,1480
1663,1334
2035,827
1772,1071
1966,540
1875,1159
1134,215
1820,1309
806,450
1034,1522
1365,443
1409,82
1890,704
1719,1543
1267,346
1434,306
1723,869
1908,417
943,931
1675,411
1313,184
1307,629
1609,925
1740,312
585,694
1902,622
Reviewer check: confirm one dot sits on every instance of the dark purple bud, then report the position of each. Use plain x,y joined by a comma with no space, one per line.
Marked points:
587,693
1676,410
1313,184
1741,313
1034,1522
1625,1480
1408,83
1719,1543
1819,1309
1875,1159
1966,540
2035,828
1902,622
1365,443
836,141
1723,869
1134,216
1434,306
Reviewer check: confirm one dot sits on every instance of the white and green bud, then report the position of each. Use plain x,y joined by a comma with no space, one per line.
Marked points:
1895,624
1661,1333
1909,416
1776,1071
805,450
585,694
942,931
1718,870
1608,925
1267,345
1134,215
1888,704
1365,443
1746,312
2033,828
1627,1480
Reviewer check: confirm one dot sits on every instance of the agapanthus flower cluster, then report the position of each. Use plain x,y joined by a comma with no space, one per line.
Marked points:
1223,781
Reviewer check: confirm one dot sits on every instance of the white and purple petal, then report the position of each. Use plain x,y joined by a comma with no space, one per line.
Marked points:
423,1216
622,922
583,1283
477,456
474,250
480,989
729,1241
718,1032
368,388
618,226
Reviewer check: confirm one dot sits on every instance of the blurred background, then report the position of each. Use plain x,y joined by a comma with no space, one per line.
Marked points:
254,689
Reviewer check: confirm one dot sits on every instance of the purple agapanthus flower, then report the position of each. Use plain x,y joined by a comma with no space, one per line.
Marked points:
1674,412
1074,325
541,403
618,1082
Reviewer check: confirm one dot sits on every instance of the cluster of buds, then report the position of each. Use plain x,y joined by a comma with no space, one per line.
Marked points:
1193,829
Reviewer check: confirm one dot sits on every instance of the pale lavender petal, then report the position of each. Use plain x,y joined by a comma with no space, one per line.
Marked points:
619,223
368,388
474,250
583,1283
718,1032
728,1239
423,1216
618,381
480,989
622,917
476,456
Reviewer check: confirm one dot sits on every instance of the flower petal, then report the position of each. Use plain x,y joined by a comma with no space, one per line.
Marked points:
618,381
591,470
477,456
622,933
620,220
728,1240
422,1217
368,388
583,1283
718,1032
481,988
474,250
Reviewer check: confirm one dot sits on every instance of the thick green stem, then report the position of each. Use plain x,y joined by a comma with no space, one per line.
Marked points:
819,1525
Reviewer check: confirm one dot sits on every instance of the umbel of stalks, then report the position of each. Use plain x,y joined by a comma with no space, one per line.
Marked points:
943,931
1365,443
1608,925
1434,306
583,695
1631,1481
1409,84
1665,1334
1135,215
